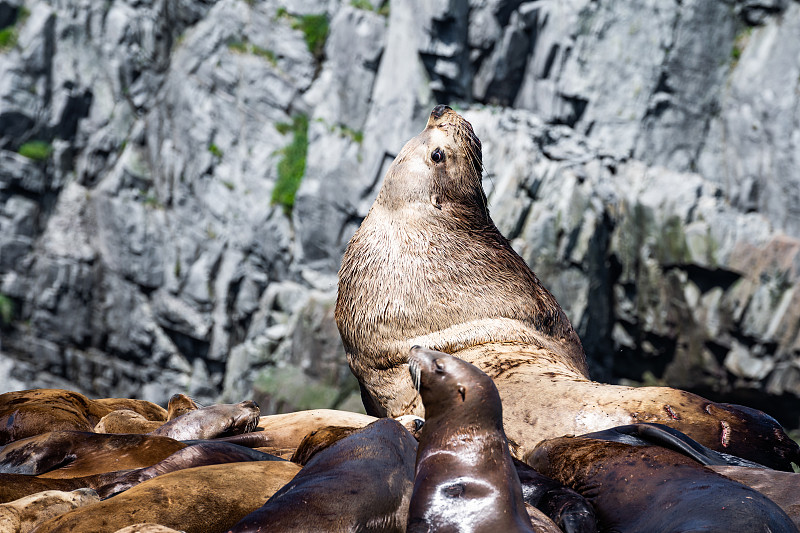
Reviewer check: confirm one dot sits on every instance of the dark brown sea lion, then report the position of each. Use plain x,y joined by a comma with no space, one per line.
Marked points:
213,421
650,488
465,479
783,488
201,454
196,500
429,267
16,486
360,483
24,514
63,454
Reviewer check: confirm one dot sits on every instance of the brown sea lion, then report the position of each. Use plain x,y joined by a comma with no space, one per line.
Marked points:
24,514
360,483
31,412
465,479
783,488
16,486
196,500
429,267
180,404
201,454
650,488
213,421
148,410
64,454
126,421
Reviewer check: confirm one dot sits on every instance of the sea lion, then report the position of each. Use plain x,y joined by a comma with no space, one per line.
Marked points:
62,454
465,479
126,421
24,514
31,412
211,422
780,487
650,488
201,454
180,404
428,267
148,527
148,410
570,511
360,483
195,500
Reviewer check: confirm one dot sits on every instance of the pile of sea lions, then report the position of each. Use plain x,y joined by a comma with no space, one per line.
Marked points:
481,414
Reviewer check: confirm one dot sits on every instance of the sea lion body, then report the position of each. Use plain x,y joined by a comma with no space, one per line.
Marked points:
64,454
650,488
465,479
24,514
428,267
783,488
126,421
360,483
194,500
211,422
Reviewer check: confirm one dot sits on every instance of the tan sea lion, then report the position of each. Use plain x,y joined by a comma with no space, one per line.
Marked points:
650,488
360,483
428,267
148,527
195,500
464,478
126,421
24,514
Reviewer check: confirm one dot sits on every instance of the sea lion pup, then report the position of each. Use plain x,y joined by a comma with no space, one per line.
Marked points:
78,453
465,479
429,267
204,499
650,488
213,421
361,483
24,514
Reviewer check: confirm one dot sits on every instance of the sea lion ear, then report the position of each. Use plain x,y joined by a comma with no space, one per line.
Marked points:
435,201
462,391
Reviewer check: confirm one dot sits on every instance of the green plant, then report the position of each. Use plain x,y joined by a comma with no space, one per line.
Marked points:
6,310
9,34
228,185
292,165
315,29
36,150
215,150
246,47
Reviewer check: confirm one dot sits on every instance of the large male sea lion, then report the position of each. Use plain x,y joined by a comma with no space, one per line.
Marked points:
428,267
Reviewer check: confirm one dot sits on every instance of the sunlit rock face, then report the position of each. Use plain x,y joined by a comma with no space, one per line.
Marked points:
643,158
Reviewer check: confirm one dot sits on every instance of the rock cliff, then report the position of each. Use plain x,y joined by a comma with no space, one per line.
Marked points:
178,180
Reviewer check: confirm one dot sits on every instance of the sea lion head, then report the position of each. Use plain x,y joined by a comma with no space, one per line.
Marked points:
439,168
450,385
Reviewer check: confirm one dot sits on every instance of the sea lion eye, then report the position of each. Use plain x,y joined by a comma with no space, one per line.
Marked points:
438,155
439,366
